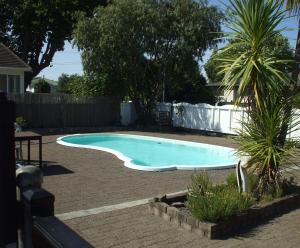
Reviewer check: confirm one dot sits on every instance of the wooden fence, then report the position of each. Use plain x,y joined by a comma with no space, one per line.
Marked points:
62,110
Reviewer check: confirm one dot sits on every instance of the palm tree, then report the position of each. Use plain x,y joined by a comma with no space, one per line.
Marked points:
293,6
262,80
253,23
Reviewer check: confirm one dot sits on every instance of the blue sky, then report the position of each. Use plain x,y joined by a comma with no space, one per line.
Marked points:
69,60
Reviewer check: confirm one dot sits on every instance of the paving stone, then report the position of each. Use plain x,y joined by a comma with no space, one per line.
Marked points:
84,179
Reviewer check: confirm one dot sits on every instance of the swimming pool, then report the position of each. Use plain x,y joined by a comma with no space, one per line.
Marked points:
155,154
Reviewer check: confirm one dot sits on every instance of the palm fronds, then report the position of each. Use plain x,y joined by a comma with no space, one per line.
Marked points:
253,23
263,83
293,6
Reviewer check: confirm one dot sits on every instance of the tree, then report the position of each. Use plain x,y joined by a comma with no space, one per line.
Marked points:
35,29
63,83
188,85
77,85
42,86
293,6
262,80
150,39
278,47
193,92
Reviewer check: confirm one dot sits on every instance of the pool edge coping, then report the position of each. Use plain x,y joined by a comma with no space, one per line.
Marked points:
128,161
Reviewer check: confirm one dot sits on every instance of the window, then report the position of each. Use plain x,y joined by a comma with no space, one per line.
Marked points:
14,84
3,82
10,83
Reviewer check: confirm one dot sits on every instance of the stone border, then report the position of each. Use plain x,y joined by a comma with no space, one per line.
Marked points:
161,206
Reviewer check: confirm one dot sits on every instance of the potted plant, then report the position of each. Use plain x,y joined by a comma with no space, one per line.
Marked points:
20,124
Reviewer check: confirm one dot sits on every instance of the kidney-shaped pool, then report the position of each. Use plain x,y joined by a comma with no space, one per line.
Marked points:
155,154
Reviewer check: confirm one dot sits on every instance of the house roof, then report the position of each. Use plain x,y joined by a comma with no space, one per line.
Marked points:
49,81
9,59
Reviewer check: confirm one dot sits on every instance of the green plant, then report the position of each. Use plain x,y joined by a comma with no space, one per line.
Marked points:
263,84
21,121
215,203
36,30
231,180
278,47
152,51
42,86
253,23
271,195
259,139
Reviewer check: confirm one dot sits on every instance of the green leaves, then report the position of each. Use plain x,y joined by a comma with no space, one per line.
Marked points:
215,203
260,138
278,47
253,25
36,29
293,6
262,79
144,47
42,86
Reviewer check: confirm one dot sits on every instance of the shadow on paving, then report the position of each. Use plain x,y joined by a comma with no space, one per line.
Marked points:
55,169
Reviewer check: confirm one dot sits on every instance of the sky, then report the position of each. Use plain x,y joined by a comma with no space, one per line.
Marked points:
69,60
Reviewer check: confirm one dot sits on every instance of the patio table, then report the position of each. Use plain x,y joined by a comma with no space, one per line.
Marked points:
29,136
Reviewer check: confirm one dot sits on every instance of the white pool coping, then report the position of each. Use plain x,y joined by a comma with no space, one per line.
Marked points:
128,161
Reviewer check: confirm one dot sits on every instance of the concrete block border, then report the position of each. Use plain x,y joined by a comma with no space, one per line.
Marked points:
162,206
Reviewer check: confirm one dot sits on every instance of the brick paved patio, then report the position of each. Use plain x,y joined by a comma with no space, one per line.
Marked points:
83,179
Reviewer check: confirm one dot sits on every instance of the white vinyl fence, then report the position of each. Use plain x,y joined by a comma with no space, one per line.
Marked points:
223,119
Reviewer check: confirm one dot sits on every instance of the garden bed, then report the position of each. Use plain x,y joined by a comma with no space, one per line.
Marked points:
172,207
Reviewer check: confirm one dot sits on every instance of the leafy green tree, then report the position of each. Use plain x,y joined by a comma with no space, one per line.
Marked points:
76,85
193,92
263,82
133,47
83,86
278,47
293,6
36,29
62,83
42,86
188,85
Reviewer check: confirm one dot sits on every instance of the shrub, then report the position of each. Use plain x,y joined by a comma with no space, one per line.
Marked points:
215,203
231,181
273,193
21,121
42,86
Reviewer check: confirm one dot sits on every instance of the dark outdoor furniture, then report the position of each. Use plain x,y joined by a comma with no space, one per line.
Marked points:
29,136
163,118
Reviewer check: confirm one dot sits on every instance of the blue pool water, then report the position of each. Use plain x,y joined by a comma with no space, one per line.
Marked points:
155,154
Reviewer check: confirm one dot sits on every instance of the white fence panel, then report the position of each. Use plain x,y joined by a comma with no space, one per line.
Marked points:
224,119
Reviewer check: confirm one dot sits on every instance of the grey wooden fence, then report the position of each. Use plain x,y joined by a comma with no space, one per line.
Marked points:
61,110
